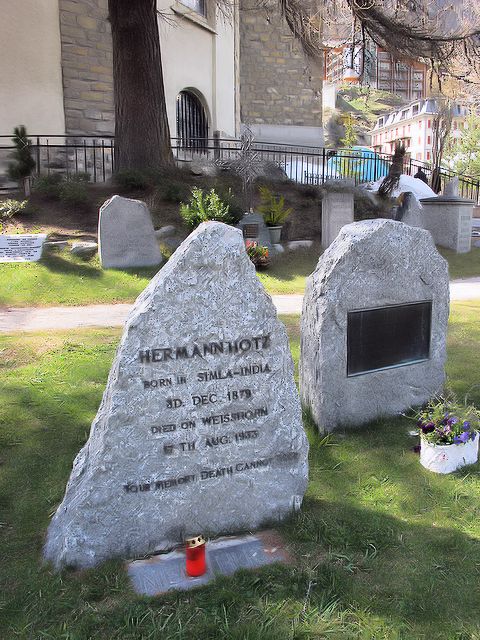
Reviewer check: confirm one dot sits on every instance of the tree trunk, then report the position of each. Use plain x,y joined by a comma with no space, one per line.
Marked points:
142,135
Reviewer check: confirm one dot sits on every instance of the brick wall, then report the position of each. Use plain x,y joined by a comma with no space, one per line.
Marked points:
277,83
87,67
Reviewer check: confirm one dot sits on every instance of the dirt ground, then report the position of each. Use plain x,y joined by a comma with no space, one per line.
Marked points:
64,222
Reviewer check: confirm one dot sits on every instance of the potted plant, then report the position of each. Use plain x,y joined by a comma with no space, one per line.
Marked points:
274,213
448,436
205,207
257,254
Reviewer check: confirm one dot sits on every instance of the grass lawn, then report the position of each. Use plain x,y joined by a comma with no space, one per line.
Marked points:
462,265
62,279
383,549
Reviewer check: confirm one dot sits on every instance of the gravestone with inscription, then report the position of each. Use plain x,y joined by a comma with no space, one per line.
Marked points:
126,235
374,324
253,227
21,247
199,429
449,220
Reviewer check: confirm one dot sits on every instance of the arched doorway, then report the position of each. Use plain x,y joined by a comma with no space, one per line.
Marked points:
192,122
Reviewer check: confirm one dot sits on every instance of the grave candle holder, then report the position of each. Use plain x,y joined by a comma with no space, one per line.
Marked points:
195,556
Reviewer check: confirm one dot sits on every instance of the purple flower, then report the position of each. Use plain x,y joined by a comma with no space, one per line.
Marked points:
428,428
463,437
452,420
466,425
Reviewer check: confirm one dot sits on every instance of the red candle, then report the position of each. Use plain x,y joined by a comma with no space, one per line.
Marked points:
195,556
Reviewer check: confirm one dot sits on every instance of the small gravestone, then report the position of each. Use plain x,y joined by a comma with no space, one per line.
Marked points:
374,323
126,235
253,227
409,210
452,187
21,247
337,211
449,220
199,429
84,250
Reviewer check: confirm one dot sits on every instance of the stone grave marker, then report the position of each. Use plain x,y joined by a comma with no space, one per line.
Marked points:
449,220
126,235
452,188
199,429
409,210
337,211
374,324
253,227
21,247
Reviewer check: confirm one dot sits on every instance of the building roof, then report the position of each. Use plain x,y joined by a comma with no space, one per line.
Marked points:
414,109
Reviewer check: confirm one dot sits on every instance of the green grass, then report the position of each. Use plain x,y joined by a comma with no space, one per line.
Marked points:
62,279
383,549
288,272
462,265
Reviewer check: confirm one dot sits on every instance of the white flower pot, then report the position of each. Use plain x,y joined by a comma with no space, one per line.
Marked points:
445,458
275,233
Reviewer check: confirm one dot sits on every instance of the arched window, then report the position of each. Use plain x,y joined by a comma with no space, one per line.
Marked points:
192,123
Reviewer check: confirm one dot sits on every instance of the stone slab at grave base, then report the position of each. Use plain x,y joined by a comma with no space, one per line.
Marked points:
166,572
449,220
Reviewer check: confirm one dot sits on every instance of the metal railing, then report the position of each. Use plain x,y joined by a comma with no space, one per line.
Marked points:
302,164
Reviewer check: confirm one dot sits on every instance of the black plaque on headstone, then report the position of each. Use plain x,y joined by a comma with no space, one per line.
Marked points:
385,337
250,231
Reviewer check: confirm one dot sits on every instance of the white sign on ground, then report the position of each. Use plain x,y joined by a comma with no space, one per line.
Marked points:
21,248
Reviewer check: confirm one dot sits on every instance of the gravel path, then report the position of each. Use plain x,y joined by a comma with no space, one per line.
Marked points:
113,315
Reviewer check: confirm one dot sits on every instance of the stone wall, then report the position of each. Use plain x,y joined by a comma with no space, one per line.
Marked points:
87,67
277,83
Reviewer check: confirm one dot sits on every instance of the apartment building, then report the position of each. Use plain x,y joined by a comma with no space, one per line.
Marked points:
412,126
377,69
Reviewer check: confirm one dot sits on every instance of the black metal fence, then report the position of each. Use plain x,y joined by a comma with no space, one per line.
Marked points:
302,164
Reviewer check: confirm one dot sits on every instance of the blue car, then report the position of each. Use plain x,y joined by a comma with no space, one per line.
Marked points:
360,163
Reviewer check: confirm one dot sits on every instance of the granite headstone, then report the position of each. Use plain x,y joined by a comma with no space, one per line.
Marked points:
253,228
199,429
126,235
374,324
449,220
337,211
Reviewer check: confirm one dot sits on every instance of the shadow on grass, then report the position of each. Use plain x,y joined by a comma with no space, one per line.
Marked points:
370,564
366,566
294,264
58,264
424,576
